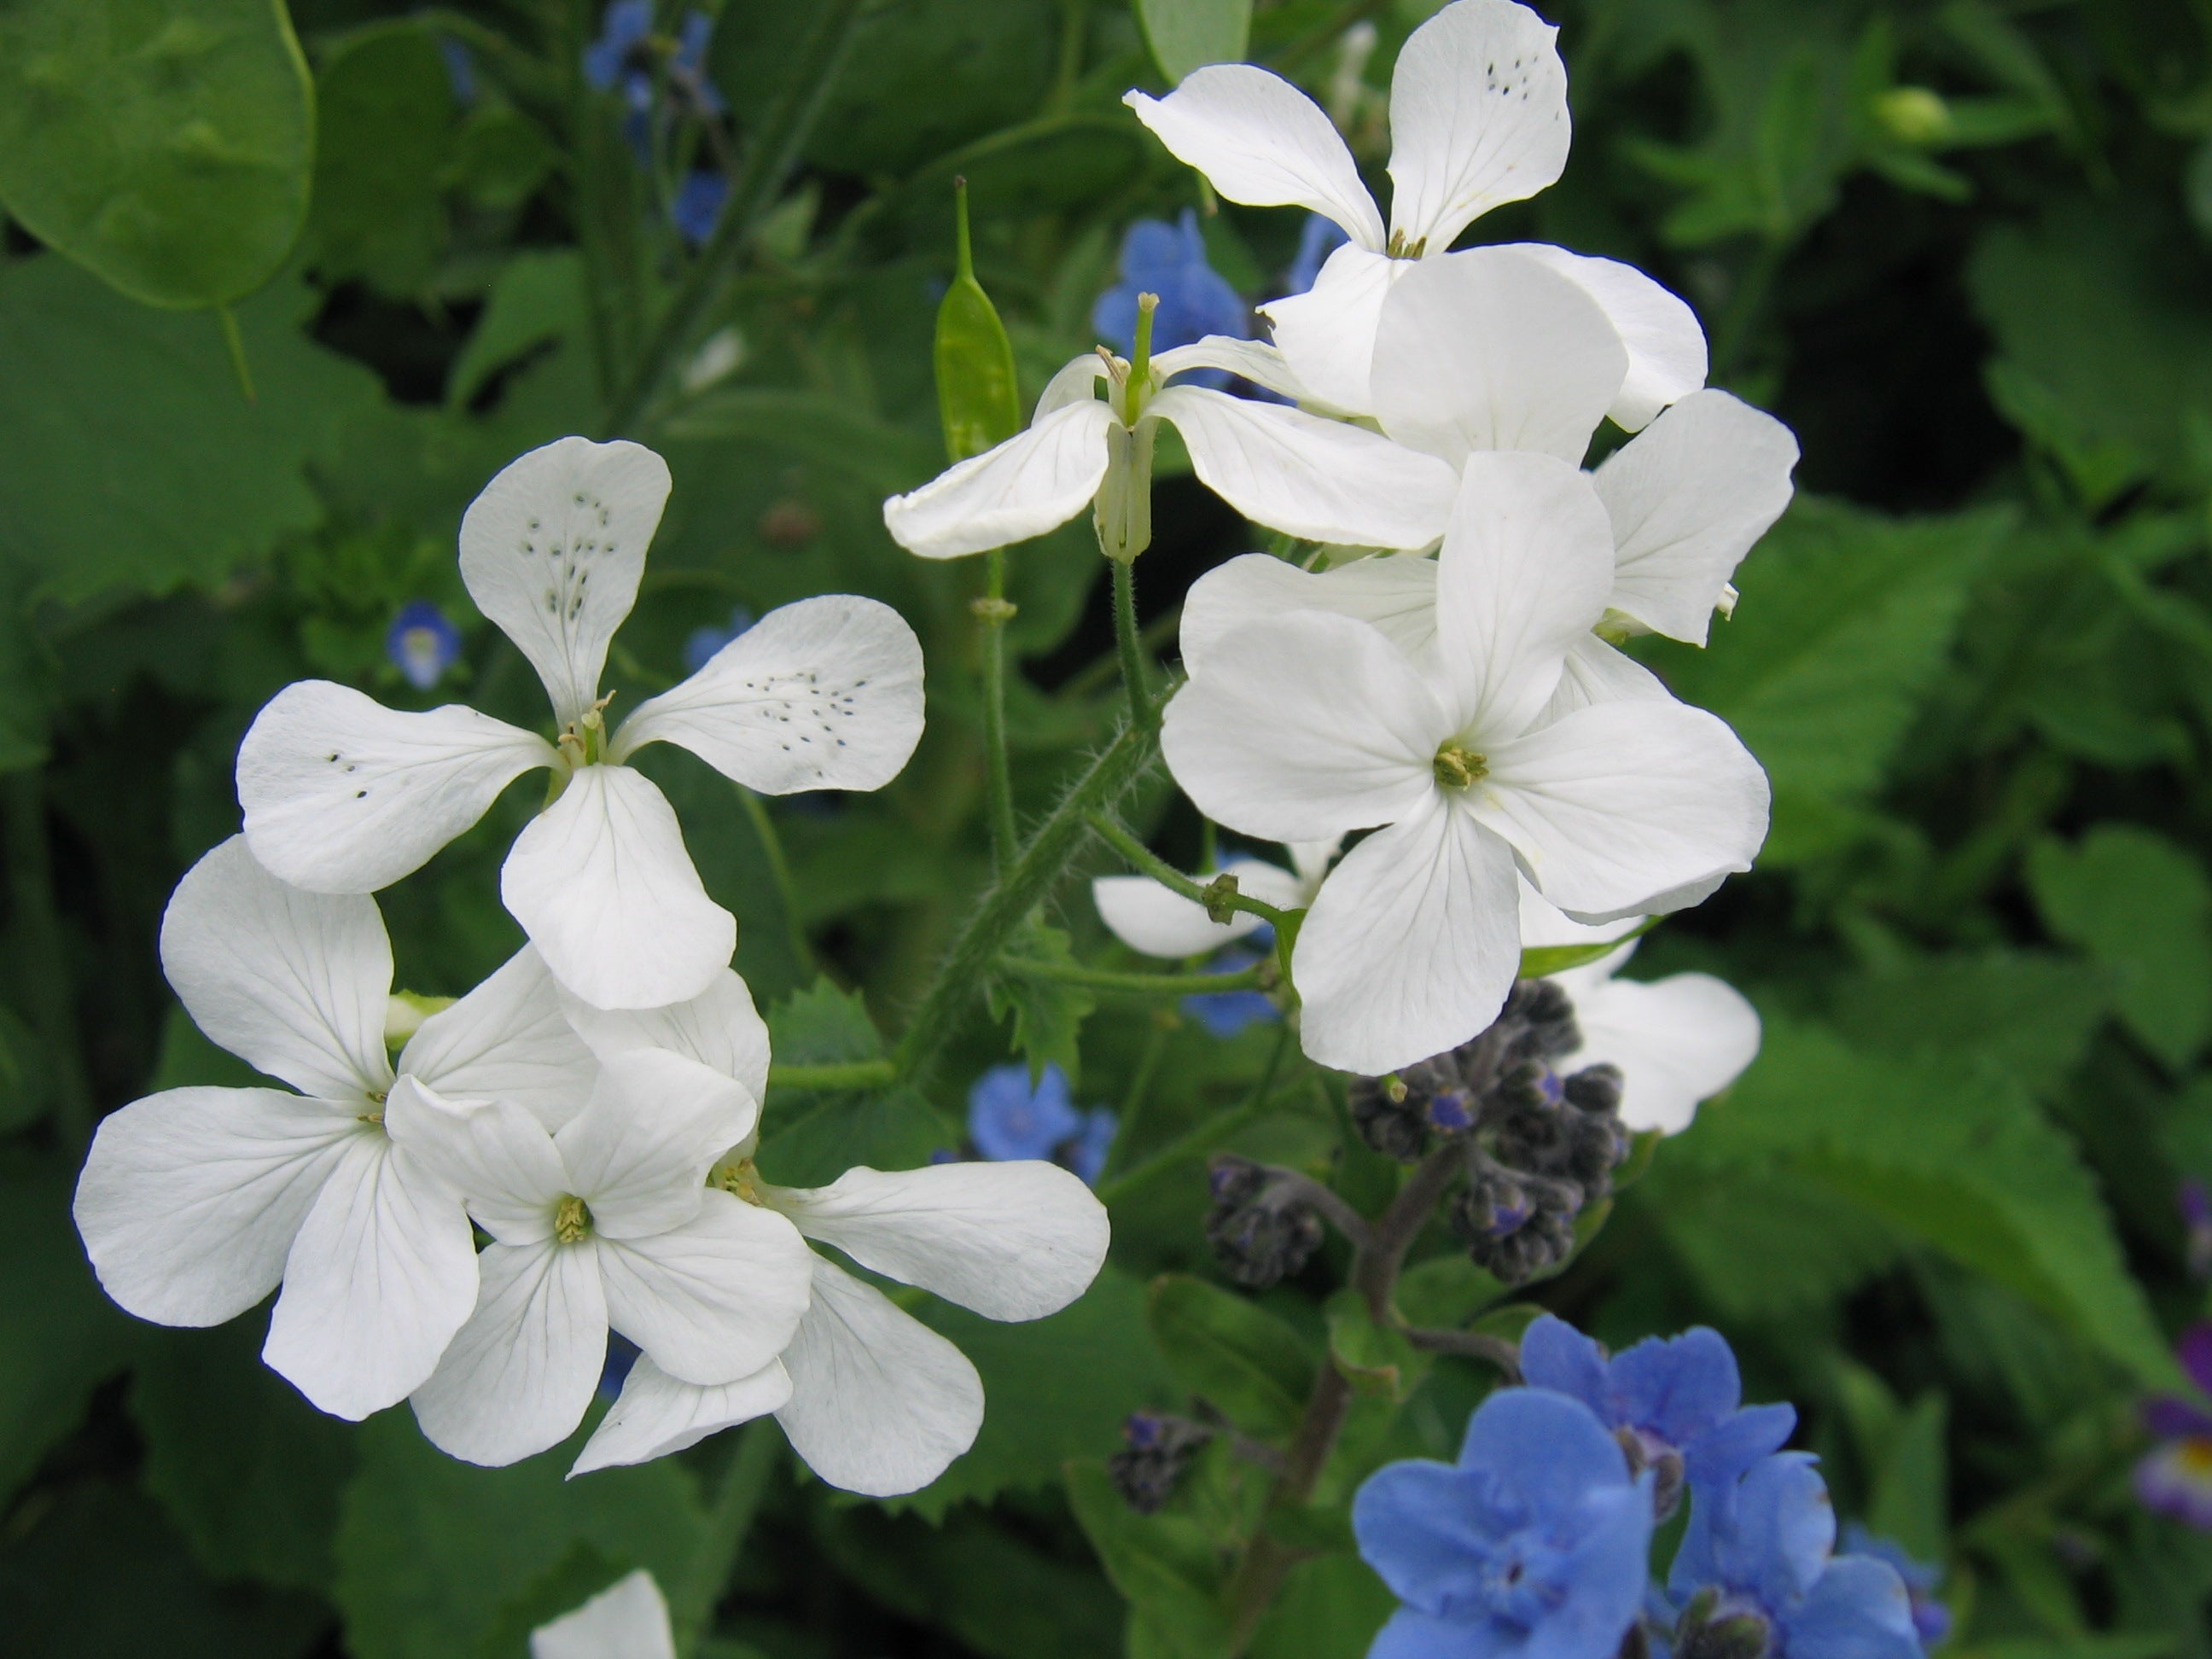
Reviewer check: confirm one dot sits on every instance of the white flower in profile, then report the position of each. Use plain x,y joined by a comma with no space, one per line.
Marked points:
195,1203
1311,724
873,1400
1278,466
1677,1040
1151,919
629,1619
344,796
1478,118
607,1222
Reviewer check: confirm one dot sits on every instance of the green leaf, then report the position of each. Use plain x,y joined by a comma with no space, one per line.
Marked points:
538,297
387,128
2142,907
896,1129
2030,1012
1047,1014
1164,1565
139,468
1763,1241
822,1025
978,403
23,1080
1374,1358
1232,1352
436,1556
166,147
1185,34
1446,1291
249,1472
1056,1389
1329,1608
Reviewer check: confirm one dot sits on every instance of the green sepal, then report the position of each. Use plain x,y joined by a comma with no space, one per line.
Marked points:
1541,961
977,398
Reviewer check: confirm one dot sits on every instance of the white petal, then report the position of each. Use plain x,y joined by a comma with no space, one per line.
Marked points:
552,551
1688,498
521,1373
1622,800
1524,574
1544,925
1677,1040
629,1619
719,1027
294,984
640,1151
1411,945
1490,349
1303,726
656,1415
1035,481
1666,343
190,1198
1013,1241
1397,595
1478,118
881,1403
825,693
1146,916
383,1273
1327,334
1595,673
1311,859
1076,381
507,1039
1261,141
1252,360
1662,903
493,1153
603,885
1306,476
715,1300
343,795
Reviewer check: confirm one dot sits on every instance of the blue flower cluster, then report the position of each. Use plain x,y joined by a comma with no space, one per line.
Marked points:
1537,1541
1010,1117
629,59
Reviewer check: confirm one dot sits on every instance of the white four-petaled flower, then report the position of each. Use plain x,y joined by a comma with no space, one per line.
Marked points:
344,796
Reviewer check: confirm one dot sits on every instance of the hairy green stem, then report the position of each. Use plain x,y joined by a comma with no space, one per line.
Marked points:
737,1501
1137,984
773,149
994,610
840,1074
1143,859
43,966
1129,643
779,871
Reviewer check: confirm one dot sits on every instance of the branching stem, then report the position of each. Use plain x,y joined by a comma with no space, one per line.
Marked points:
1145,861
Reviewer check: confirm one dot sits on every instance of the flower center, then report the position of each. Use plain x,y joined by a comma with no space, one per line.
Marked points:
572,1218
1401,248
1457,766
737,1177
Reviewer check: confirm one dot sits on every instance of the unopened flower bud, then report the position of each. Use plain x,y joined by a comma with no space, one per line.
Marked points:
1259,1231
1159,1448
1665,1463
1545,1016
1723,1630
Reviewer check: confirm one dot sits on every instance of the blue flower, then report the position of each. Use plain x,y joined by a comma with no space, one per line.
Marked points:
1225,1013
1533,1544
460,71
1086,1153
422,644
1320,238
1169,260
1931,1619
623,55
703,642
1755,1574
698,204
1010,1118
2175,1478
1676,1405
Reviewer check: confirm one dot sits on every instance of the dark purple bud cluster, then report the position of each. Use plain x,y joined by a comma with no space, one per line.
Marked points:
1260,1229
1159,1448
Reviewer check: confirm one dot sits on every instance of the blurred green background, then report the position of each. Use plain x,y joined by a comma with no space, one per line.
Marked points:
1963,249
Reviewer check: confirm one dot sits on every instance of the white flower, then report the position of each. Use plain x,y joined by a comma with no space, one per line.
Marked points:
195,1203
872,1398
1478,118
1677,1040
341,795
1311,724
607,1222
1149,918
1278,466
629,1619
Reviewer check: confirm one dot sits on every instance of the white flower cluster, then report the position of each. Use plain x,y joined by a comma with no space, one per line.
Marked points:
593,1107
1466,705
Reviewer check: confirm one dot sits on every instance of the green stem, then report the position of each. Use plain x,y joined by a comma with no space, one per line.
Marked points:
43,968
1147,985
1128,641
779,870
587,149
994,610
1140,1087
1207,1135
1143,859
843,1074
737,1501
951,997
234,344
769,158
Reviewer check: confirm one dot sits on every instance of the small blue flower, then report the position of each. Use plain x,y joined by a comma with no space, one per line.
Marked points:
1010,1118
1931,1619
1225,1013
1169,260
1316,242
1676,1405
1756,1561
1086,1153
614,56
460,71
698,204
421,643
1533,1544
703,642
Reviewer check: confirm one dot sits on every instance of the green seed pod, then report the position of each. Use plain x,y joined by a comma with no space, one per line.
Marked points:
976,397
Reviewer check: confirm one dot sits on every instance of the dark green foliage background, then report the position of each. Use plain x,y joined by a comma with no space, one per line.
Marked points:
1976,658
